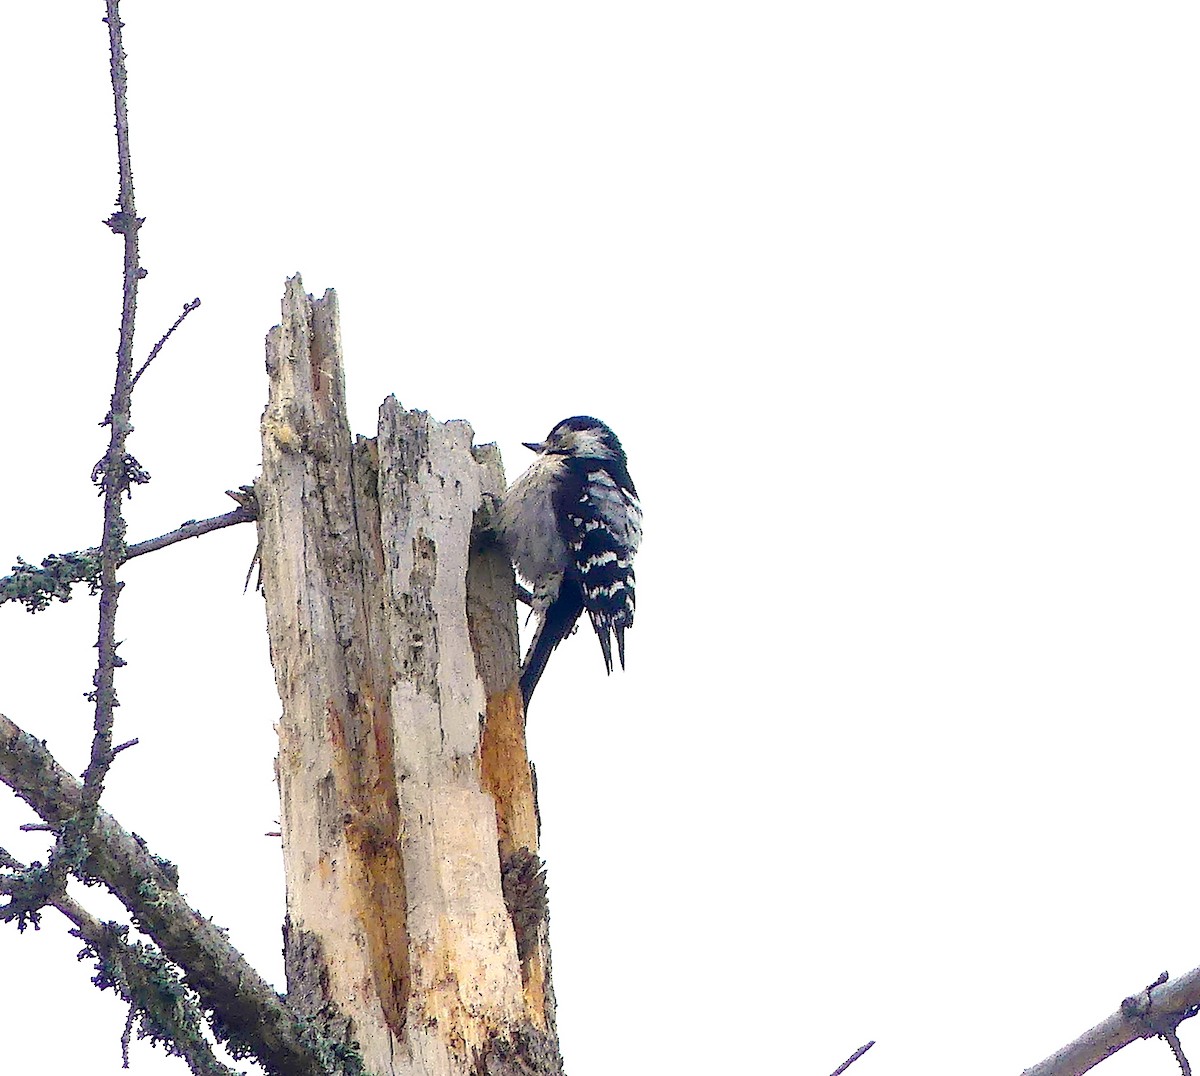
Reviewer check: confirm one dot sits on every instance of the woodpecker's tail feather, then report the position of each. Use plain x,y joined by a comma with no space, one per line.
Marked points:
555,627
603,633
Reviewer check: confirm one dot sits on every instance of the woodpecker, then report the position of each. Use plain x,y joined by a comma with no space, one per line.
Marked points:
571,524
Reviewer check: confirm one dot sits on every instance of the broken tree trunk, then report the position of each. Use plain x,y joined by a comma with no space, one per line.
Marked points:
416,910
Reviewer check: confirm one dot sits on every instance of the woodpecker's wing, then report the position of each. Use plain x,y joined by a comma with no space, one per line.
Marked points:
600,519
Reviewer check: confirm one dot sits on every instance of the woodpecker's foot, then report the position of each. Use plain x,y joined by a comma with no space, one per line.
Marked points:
483,535
483,539
483,530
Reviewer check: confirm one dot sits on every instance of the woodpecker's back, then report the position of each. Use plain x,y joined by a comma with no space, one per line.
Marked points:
571,524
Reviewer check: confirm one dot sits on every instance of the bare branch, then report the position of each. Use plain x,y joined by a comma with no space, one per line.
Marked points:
852,1058
191,529
35,588
253,1015
114,478
187,309
1150,1012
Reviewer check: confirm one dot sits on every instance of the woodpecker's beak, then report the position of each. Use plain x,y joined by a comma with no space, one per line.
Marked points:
533,447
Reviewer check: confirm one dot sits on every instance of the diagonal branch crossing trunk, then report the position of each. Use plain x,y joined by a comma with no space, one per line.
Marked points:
416,914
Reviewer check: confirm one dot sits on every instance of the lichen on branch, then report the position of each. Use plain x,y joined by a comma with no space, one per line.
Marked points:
36,586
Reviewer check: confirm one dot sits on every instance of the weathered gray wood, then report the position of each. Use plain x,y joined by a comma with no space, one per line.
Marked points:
394,816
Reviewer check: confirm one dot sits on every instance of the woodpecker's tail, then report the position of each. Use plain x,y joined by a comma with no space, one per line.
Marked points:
558,623
604,630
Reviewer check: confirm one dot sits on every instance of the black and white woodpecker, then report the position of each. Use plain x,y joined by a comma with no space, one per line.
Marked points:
571,524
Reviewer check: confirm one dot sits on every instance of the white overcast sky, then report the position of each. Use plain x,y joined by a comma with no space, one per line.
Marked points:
894,306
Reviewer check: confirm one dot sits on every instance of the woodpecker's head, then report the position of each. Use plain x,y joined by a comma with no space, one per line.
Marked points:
582,437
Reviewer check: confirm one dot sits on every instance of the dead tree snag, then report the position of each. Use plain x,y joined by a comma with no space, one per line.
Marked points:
402,767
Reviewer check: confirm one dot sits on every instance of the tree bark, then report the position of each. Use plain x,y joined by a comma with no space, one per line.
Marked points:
408,814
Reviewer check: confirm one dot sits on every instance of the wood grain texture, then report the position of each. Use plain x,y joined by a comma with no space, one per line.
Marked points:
390,665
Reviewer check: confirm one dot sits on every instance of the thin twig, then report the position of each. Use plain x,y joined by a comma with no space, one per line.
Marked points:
1172,1037
187,309
852,1058
192,529
36,587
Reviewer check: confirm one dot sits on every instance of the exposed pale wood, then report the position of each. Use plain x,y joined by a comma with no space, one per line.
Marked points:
398,936
506,772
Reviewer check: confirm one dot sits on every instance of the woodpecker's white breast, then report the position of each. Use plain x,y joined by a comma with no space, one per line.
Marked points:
528,526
